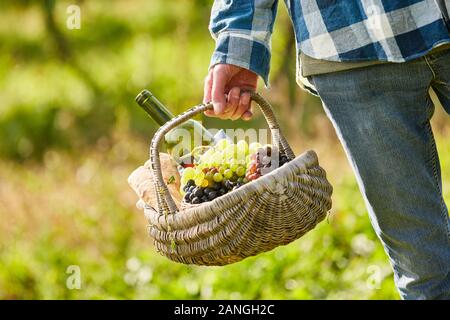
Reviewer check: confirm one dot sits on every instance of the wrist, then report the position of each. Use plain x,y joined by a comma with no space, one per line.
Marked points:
244,52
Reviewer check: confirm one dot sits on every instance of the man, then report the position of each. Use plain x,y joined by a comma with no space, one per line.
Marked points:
372,62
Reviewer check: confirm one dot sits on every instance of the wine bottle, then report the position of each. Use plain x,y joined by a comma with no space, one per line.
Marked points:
174,143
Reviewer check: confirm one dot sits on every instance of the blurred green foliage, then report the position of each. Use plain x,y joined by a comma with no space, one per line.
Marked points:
63,87
71,134
89,220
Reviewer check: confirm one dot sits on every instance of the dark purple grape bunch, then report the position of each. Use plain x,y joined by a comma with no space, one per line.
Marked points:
268,159
196,194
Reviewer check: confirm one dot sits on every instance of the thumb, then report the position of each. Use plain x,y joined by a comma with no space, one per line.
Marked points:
220,79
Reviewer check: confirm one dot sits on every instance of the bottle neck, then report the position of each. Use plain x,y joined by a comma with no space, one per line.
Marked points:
160,114
153,107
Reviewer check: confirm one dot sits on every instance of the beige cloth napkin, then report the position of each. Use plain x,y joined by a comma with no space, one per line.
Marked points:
141,181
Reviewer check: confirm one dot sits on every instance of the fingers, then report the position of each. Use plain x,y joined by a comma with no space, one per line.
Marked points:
207,87
223,87
207,92
247,115
218,90
243,106
210,113
233,98
232,102
238,106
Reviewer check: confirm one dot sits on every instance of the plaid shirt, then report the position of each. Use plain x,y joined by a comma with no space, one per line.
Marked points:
335,30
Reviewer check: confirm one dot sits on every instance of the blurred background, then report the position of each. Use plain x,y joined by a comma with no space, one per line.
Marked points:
71,133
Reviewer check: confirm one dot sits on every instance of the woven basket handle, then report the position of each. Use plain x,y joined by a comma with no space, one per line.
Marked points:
166,204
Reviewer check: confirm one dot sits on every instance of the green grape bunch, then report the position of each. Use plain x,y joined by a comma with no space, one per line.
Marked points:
225,167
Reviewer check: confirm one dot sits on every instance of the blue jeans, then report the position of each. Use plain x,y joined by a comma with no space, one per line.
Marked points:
382,116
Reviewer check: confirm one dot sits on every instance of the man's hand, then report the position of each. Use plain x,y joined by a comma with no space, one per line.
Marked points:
225,86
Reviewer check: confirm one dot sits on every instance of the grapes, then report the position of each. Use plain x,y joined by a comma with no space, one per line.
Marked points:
214,170
264,161
253,147
230,152
229,184
228,174
218,177
240,171
189,173
205,156
216,185
199,178
211,183
208,190
205,183
216,159
201,166
234,165
222,144
241,149
209,175
198,192
212,195
226,167
190,183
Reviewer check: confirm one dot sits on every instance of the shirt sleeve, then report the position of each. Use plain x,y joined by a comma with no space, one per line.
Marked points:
242,30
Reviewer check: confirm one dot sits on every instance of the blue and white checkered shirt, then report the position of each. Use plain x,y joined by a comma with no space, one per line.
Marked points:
334,30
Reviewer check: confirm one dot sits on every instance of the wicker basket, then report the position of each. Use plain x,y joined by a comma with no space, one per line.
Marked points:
273,210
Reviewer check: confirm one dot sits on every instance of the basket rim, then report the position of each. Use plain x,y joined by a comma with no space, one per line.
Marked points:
156,217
